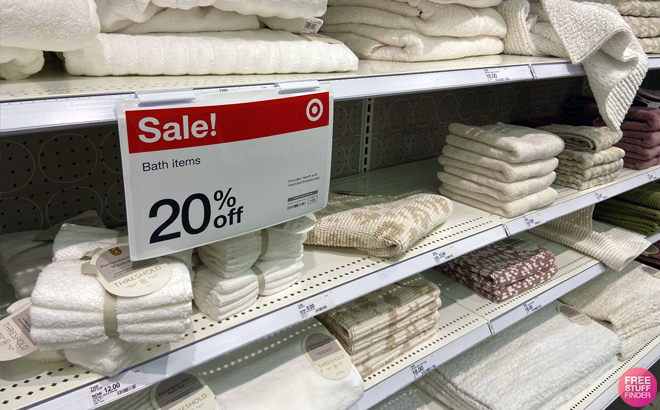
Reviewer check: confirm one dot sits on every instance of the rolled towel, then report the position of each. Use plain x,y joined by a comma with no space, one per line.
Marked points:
645,139
278,244
480,378
278,275
511,143
255,51
610,168
219,297
495,168
510,209
20,63
383,230
48,25
38,355
233,256
632,217
580,184
502,191
195,20
638,119
586,159
584,138
108,358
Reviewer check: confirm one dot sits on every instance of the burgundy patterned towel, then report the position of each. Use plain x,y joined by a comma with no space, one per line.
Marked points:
500,264
646,139
638,119
651,256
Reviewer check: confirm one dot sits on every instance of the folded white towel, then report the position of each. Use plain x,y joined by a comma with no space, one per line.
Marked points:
484,378
376,43
278,275
219,297
632,344
117,14
511,143
278,244
108,358
74,241
296,26
469,3
580,184
232,257
48,25
38,355
642,8
510,209
502,191
233,52
495,168
196,20
20,63
288,9
438,20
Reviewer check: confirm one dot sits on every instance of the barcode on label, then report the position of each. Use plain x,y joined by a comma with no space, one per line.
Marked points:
295,205
318,305
101,392
126,390
531,306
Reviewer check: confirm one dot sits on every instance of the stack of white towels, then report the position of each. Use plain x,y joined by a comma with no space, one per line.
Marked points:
67,311
420,30
237,270
503,169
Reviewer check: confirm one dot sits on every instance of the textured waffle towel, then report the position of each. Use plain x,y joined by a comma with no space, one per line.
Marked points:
627,302
383,230
647,195
614,247
586,160
650,45
632,217
584,138
485,378
502,191
643,8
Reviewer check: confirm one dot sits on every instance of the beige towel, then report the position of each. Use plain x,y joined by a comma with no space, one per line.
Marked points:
641,8
590,173
650,45
580,184
586,159
644,27
502,191
384,230
585,138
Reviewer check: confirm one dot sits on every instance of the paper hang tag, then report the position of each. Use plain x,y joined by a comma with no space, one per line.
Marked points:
312,26
326,356
574,316
321,38
299,225
183,391
121,276
15,341
651,250
651,271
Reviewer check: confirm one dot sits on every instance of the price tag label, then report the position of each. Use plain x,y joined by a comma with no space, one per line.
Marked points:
653,175
222,165
315,306
601,195
496,75
532,221
443,255
106,390
532,306
422,368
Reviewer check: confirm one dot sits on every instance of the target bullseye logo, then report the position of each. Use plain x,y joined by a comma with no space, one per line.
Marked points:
314,109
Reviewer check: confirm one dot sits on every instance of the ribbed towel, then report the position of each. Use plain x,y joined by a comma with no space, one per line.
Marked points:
502,191
627,302
495,168
510,209
590,173
644,26
639,119
37,355
614,247
20,63
640,164
108,358
646,139
384,230
580,184
251,51
219,297
484,378
511,143
233,256
584,138
647,195
632,217
586,159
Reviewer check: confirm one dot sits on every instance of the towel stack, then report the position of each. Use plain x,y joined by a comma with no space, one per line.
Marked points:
643,17
383,325
641,137
499,271
637,210
426,30
237,270
511,369
588,158
626,302
503,169
201,37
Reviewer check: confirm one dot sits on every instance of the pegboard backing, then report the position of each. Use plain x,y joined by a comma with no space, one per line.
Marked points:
413,127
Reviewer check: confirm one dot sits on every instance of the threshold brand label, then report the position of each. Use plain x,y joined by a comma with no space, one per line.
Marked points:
183,391
15,338
223,165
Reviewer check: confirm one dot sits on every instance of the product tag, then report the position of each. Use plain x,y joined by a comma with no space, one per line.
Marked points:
601,195
123,277
312,26
321,38
533,220
574,316
299,225
327,356
443,255
316,305
532,306
496,75
422,368
107,390
651,271
15,338
183,391
651,250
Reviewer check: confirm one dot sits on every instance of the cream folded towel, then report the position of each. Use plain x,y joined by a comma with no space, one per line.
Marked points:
20,63
510,209
590,173
252,52
580,184
502,191
232,257
195,20
278,275
632,344
375,43
278,244
614,247
424,9
584,138
48,25
650,45
220,298
73,242
511,143
586,160
644,26
642,8
483,377
38,355
469,3
108,358
385,229
495,168
287,9
436,20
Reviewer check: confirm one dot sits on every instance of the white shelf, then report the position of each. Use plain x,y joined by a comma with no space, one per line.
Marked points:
55,99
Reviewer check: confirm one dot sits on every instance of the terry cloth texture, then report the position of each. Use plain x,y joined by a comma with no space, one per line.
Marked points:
586,160
481,377
253,52
611,55
635,151
590,173
646,139
639,119
630,216
614,247
381,326
502,191
642,8
581,184
626,302
651,256
584,138
377,227
647,195
219,297
108,358
37,355
640,163
20,63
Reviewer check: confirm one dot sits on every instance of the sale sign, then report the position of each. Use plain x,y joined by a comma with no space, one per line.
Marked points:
222,165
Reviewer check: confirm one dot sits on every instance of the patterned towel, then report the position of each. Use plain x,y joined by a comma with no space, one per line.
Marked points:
586,159
590,173
385,229
584,138
650,45
579,184
647,195
644,26
632,217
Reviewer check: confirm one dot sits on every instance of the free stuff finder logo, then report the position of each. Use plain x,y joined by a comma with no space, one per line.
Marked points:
638,387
